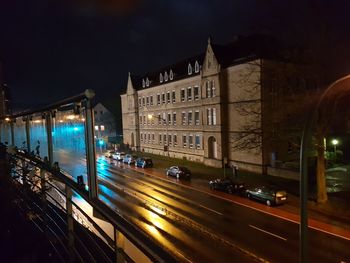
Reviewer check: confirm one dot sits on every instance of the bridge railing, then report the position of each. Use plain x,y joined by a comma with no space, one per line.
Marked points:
77,223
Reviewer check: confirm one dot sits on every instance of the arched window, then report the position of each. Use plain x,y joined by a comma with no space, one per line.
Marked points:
165,76
160,78
212,148
147,82
171,75
196,67
189,69
143,83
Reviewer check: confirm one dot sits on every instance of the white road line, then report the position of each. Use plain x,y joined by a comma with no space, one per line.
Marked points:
211,210
267,232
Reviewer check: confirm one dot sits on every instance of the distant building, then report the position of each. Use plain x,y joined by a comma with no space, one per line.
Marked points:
4,95
105,127
241,103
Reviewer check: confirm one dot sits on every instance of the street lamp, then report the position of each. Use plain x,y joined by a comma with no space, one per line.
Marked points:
166,145
335,142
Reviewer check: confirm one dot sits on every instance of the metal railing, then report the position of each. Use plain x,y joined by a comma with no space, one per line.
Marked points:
63,208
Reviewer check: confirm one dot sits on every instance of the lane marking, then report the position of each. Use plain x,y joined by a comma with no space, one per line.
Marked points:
211,210
267,232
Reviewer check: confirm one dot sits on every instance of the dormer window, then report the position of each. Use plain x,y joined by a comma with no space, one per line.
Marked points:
165,76
160,78
189,69
171,75
143,83
147,82
196,67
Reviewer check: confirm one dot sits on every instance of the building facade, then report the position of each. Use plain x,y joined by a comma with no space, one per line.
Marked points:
105,127
234,104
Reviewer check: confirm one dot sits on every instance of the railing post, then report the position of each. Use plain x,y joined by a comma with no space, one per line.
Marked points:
12,133
70,222
27,133
118,239
43,197
90,146
48,117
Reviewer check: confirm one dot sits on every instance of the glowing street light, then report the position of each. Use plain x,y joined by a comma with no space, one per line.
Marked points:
335,142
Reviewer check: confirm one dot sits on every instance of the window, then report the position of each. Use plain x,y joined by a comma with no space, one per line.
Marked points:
190,118
165,76
153,137
171,75
158,99
151,98
159,119
183,118
147,100
212,87
207,88
141,137
143,83
163,98
143,101
102,127
144,120
140,102
189,93
160,138
184,141
173,96
149,137
164,138
196,92
174,118
211,116
147,82
196,117
169,118
190,141
175,139
183,95
96,127
198,141
140,120
160,78
164,118
189,69
168,96
196,67
169,139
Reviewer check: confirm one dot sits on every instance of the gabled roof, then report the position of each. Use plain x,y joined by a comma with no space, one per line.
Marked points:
242,49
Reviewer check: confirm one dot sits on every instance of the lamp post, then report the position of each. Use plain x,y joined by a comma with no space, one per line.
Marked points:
335,143
166,145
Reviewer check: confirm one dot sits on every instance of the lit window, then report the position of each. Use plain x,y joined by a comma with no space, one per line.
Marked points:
209,117
189,69
196,67
214,116
160,78
96,127
171,75
102,127
212,88
208,89
147,82
165,76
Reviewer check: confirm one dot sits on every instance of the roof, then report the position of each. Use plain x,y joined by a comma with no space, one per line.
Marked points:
241,49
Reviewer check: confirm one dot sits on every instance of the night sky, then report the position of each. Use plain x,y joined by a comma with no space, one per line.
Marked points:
52,49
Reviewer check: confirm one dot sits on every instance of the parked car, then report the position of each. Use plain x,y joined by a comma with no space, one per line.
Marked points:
179,172
268,195
227,185
143,162
109,153
129,159
119,156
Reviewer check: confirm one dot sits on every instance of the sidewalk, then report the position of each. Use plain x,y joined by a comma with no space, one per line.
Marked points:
333,216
